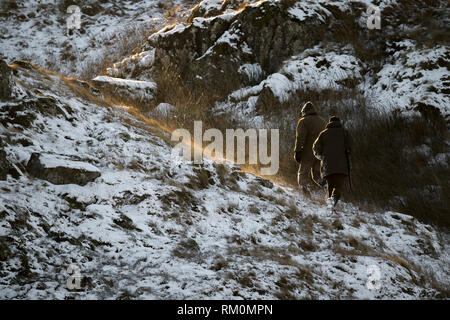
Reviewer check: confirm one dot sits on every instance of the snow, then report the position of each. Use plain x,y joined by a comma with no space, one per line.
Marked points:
141,61
256,240
304,10
52,161
232,39
132,84
171,29
210,5
256,230
136,91
253,71
37,31
163,110
414,76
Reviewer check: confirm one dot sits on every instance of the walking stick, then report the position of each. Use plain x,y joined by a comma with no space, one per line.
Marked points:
349,164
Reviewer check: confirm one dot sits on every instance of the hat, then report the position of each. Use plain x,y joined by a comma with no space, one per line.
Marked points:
308,107
334,118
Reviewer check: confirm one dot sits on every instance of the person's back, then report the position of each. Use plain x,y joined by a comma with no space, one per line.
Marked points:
313,124
308,128
332,147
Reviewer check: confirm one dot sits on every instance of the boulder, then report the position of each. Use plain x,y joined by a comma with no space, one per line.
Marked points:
135,92
163,111
58,170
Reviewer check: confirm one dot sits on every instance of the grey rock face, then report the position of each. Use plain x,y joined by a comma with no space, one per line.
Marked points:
208,53
79,173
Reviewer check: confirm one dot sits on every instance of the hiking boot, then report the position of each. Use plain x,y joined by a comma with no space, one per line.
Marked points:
329,203
335,197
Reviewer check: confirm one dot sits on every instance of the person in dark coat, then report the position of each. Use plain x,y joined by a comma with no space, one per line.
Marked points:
332,148
308,128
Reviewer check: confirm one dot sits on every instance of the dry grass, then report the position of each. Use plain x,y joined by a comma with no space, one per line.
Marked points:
126,43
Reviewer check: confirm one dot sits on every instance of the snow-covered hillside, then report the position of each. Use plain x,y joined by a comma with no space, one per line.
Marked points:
37,30
254,65
283,47
150,227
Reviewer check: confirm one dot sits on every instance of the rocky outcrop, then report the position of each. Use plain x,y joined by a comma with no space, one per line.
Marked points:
61,171
208,53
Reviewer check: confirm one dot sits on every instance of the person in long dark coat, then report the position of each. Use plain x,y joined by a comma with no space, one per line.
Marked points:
308,128
332,148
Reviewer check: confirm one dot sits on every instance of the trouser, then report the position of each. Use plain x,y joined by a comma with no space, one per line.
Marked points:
335,185
309,172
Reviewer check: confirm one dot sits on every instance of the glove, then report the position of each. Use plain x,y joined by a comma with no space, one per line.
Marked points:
298,156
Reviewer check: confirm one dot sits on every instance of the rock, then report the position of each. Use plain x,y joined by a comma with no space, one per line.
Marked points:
187,249
5,252
267,100
210,8
163,111
135,92
4,165
61,171
178,47
5,81
233,4
205,9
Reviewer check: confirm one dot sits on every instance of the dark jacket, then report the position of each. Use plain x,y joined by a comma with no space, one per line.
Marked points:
331,148
308,128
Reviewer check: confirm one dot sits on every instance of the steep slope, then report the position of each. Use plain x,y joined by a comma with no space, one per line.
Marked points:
37,30
256,64
153,227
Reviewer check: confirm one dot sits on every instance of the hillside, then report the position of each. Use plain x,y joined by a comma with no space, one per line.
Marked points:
36,30
151,227
90,180
255,64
